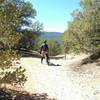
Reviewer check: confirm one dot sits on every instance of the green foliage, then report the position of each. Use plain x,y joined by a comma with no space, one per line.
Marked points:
28,39
38,44
54,47
37,27
13,15
30,31
13,76
26,10
30,36
84,32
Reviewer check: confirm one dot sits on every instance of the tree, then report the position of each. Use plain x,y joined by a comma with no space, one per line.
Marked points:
54,47
84,32
13,15
29,28
30,36
28,39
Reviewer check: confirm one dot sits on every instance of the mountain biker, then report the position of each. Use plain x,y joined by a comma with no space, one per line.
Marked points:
44,51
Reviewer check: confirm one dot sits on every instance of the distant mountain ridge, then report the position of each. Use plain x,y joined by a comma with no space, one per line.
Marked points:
51,35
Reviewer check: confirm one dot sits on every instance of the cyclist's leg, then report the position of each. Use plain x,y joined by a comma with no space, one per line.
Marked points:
47,59
42,57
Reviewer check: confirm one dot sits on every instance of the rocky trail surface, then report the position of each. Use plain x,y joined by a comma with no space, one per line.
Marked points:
63,79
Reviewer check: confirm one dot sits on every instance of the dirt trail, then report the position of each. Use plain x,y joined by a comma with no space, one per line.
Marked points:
60,81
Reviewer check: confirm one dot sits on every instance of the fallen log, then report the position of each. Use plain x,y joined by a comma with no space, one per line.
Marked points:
30,53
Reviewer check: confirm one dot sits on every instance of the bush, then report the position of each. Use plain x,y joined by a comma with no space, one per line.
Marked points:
7,94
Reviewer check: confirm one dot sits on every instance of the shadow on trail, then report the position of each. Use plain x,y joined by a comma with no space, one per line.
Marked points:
52,64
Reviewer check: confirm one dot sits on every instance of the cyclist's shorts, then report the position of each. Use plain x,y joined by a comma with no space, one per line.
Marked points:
44,52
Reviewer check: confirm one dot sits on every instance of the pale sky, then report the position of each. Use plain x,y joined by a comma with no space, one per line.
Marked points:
54,14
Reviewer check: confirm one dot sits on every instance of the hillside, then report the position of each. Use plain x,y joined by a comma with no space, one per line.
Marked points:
51,35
